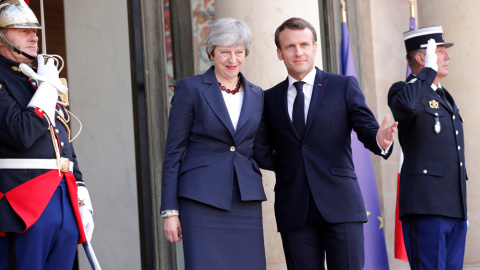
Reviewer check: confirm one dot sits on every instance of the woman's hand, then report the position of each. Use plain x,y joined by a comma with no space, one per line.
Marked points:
172,229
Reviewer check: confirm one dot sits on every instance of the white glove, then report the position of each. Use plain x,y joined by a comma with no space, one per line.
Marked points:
46,72
86,211
45,98
431,55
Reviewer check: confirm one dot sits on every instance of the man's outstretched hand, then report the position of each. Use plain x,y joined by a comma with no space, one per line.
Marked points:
385,134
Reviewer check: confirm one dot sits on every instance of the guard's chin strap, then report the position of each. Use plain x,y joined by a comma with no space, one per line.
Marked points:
12,47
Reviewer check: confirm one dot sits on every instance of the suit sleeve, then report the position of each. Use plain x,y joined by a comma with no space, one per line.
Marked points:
361,117
263,152
405,99
179,127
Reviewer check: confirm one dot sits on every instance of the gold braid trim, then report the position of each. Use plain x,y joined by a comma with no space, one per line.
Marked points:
79,122
65,124
64,103
65,121
55,146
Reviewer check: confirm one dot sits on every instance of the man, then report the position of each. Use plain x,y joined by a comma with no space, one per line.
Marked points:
432,195
318,204
40,218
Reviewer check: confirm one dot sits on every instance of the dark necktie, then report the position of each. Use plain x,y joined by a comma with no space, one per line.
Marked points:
441,93
298,114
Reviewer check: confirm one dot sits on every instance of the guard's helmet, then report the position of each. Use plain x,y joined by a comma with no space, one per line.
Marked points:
17,14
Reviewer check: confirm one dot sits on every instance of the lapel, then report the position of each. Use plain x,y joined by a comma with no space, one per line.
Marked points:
450,99
215,100
282,100
249,101
318,89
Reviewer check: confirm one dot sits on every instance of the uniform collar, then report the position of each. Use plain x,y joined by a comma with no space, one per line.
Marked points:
10,65
434,88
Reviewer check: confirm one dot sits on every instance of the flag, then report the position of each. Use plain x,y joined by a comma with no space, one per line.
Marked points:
375,248
400,252
399,246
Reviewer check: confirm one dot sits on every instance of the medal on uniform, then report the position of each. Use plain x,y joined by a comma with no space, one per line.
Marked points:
437,127
433,104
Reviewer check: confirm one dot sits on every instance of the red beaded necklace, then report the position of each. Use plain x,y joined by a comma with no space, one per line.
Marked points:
235,90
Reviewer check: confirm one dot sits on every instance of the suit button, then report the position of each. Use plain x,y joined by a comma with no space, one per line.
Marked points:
459,148
436,114
57,131
62,144
305,147
461,164
232,148
425,171
456,132
453,117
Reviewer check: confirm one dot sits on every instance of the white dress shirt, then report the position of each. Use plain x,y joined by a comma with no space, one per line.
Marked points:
234,106
307,91
434,88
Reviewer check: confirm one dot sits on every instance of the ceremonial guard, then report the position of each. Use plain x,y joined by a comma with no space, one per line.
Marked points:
45,209
432,195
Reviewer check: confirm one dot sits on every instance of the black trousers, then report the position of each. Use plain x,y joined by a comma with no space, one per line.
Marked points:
341,244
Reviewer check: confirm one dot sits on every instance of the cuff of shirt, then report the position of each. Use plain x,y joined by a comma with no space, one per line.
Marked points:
384,151
170,213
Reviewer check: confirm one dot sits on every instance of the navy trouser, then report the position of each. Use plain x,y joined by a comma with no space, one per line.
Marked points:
51,242
341,244
434,242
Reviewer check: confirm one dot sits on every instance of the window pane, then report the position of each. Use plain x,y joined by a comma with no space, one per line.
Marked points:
203,16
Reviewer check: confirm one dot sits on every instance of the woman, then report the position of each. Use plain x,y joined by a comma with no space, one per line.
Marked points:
211,187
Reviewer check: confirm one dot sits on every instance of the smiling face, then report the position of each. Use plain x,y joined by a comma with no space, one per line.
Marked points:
228,61
298,51
24,39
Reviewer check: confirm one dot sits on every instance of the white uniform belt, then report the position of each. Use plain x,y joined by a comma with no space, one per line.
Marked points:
27,163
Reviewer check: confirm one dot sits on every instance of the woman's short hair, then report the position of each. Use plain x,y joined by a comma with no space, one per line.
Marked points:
228,32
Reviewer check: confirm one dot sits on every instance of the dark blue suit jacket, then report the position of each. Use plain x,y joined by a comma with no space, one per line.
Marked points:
320,163
433,176
204,153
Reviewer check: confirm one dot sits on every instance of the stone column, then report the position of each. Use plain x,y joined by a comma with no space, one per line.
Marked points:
459,20
263,68
381,24
99,75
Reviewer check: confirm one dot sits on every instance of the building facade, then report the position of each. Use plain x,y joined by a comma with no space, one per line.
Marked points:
124,59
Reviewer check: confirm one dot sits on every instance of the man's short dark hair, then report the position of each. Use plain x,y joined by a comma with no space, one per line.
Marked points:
412,62
295,24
